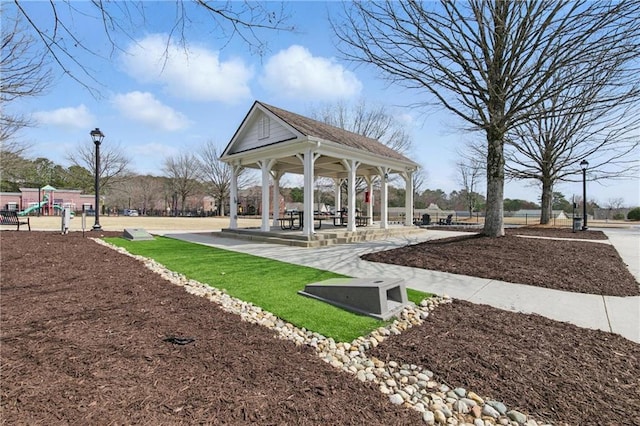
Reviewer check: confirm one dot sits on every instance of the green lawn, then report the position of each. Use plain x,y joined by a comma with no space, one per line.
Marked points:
270,284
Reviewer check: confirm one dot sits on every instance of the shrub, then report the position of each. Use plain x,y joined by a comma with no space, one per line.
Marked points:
634,214
618,216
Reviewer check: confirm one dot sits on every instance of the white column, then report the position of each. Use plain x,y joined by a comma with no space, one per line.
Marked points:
265,167
384,213
408,200
233,197
370,205
338,194
351,166
276,175
308,160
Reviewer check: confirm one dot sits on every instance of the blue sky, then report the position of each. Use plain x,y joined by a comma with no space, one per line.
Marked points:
153,108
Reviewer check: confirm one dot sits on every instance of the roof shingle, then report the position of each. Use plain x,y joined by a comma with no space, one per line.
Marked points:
314,128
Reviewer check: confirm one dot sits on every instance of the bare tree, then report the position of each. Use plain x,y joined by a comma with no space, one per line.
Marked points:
139,192
374,122
470,176
119,20
216,175
615,203
149,192
25,73
490,62
183,172
595,121
419,178
114,164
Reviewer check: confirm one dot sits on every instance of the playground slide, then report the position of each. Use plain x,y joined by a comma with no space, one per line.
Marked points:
61,209
32,208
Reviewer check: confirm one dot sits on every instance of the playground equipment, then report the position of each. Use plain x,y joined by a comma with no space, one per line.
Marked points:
46,201
34,208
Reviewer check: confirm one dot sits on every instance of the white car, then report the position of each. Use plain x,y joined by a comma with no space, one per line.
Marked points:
130,212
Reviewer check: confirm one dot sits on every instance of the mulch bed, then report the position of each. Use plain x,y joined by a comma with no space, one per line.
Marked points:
556,371
540,231
82,342
578,266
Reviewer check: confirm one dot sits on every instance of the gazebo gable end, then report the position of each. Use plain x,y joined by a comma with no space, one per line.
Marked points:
259,128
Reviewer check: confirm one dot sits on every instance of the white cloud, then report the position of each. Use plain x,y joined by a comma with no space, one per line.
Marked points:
78,117
295,72
405,118
195,73
145,108
158,149
149,157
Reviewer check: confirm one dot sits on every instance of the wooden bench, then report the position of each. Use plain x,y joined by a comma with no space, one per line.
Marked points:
10,217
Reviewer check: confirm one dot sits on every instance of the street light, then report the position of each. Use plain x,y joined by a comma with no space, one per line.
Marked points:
584,164
97,137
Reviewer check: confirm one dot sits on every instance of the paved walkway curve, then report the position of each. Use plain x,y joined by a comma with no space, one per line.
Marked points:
614,314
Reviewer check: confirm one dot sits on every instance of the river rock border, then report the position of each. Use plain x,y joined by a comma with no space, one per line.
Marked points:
404,384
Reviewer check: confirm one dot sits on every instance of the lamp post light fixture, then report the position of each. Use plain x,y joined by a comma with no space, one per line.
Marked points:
97,137
584,164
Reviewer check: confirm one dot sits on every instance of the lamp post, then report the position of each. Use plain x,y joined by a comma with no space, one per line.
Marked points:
584,164
97,137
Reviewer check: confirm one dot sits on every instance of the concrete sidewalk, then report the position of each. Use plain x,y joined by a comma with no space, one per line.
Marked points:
614,314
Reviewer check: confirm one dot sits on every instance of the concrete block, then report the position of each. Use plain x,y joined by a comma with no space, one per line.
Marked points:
136,234
380,298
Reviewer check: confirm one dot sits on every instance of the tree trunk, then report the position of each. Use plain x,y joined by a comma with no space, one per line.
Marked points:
494,217
547,202
183,202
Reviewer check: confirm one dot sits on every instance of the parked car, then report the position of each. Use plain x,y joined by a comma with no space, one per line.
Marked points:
130,212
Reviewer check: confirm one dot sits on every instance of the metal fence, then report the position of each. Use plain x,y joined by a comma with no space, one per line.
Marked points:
477,218
531,219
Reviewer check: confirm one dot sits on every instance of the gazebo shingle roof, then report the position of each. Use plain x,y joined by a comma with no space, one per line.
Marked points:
314,128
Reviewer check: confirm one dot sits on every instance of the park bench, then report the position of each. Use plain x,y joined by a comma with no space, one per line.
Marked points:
10,217
446,221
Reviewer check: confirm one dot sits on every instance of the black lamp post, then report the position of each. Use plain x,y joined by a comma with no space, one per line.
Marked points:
97,137
584,164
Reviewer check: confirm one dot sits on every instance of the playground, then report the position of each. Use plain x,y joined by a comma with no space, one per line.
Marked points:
46,206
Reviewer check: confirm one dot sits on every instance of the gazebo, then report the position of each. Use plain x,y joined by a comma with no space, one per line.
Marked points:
276,142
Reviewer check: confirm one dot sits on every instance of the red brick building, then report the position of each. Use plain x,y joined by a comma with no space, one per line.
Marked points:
49,200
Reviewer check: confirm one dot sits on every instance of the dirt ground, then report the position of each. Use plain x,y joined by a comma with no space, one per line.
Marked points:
83,332
558,371
578,266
